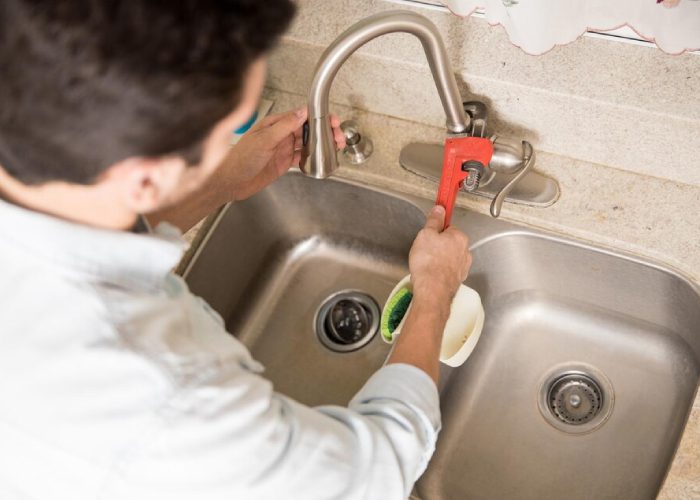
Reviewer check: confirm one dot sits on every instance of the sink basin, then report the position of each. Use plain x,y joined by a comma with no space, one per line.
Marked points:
272,261
582,380
553,307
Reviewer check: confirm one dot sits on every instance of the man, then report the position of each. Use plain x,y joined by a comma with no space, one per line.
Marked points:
115,382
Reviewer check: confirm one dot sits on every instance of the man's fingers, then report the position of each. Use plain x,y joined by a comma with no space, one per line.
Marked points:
338,135
275,117
436,219
267,121
302,158
339,138
285,126
296,159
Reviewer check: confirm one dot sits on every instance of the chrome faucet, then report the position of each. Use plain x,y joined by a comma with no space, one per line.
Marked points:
507,176
319,143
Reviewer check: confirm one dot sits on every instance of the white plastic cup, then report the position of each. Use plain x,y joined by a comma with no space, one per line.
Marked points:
463,327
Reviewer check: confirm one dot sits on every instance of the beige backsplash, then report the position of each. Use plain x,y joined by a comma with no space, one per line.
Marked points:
618,126
627,106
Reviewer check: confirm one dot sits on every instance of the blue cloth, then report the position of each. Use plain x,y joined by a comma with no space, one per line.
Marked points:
246,126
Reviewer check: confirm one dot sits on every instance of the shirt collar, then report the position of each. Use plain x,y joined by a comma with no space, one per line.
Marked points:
119,257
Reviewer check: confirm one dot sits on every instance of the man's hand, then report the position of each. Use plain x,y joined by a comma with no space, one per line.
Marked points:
439,260
268,150
262,155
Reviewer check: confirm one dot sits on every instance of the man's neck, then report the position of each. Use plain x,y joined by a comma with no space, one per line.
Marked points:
90,205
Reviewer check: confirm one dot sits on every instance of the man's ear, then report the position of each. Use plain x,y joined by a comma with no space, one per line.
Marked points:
145,184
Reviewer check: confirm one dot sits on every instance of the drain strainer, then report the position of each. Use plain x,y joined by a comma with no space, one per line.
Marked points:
347,321
576,399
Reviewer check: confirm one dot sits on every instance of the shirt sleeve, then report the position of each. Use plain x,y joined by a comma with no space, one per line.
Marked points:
231,436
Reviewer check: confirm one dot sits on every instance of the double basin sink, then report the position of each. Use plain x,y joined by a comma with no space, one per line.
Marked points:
580,385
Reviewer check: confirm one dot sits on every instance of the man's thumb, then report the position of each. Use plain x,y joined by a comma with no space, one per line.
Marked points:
436,219
286,125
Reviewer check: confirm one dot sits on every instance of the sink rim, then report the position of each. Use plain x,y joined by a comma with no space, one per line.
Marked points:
493,232
600,248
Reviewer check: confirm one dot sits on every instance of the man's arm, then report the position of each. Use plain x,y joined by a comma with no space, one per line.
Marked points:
439,262
211,195
229,435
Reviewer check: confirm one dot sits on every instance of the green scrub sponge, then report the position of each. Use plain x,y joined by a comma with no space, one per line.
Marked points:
394,312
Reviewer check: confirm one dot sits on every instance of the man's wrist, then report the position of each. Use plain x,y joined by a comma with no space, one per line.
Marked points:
434,290
220,186
439,301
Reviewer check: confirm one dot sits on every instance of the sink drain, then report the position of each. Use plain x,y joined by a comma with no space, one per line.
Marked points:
347,321
576,399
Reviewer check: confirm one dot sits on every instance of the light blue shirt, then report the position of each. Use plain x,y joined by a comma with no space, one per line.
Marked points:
117,383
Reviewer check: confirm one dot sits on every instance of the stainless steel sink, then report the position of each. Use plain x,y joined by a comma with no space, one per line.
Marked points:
582,381
270,263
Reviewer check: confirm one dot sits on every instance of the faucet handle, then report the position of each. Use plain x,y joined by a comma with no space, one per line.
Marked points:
505,160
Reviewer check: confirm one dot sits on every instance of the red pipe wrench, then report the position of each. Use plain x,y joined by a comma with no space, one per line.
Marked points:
460,154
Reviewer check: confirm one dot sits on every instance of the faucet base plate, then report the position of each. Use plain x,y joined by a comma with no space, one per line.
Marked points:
535,190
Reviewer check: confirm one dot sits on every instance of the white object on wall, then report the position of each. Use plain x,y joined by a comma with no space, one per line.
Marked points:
536,26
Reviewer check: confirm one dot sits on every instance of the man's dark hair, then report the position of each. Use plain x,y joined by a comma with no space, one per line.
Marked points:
85,84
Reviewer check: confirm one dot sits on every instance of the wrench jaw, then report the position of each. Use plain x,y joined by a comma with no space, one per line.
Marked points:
464,161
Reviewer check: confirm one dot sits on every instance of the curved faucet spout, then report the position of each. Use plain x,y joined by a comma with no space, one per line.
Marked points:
320,146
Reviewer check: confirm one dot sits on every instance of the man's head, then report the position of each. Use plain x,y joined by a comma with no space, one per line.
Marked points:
98,88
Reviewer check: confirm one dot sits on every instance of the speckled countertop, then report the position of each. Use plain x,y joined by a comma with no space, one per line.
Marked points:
640,214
